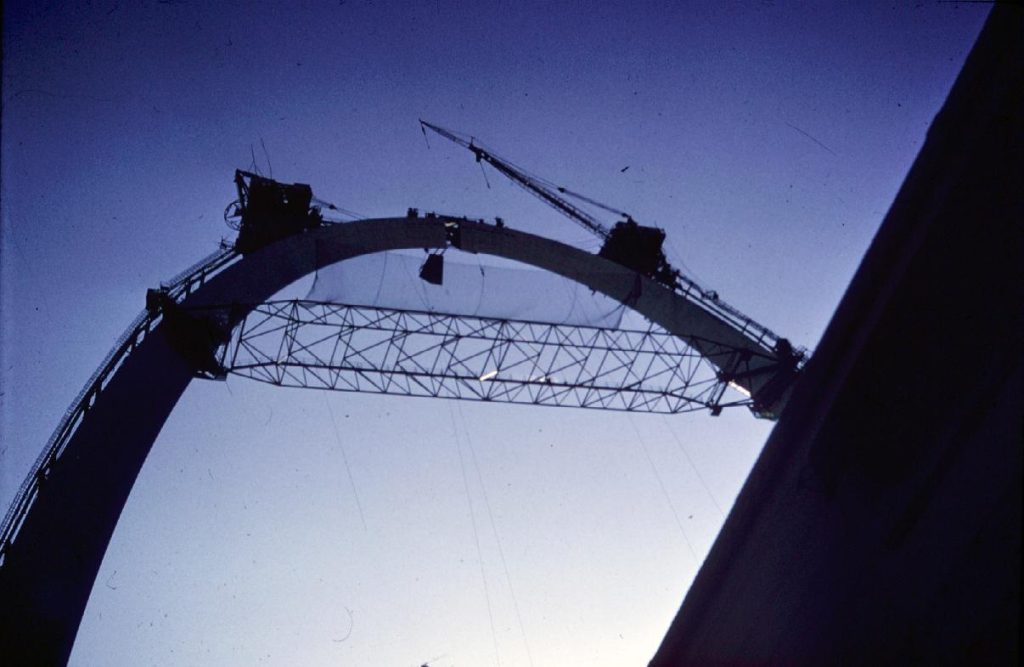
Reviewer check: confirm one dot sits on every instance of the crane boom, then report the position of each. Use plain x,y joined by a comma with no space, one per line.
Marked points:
542,191
628,243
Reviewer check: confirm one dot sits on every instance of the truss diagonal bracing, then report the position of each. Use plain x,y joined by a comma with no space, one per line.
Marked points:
385,351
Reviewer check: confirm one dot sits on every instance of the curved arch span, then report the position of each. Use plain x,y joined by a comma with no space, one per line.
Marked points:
49,569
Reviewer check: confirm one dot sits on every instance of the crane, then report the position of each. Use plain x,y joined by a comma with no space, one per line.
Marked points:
628,243
635,246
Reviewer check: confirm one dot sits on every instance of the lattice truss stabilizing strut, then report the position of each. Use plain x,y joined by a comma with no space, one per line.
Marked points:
386,351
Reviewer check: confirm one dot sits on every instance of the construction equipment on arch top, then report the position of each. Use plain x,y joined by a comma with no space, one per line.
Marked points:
627,243
267,211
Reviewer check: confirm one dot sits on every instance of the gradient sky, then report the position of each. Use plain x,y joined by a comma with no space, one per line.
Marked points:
284,527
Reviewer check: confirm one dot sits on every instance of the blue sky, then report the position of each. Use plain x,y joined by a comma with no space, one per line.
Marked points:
767,138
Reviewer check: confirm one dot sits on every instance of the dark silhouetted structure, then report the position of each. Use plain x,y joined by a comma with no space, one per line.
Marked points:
882,522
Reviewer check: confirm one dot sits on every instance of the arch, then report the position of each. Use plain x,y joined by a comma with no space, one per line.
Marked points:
48,572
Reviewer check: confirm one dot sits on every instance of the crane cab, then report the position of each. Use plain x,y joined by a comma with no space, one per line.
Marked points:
268,211
639,248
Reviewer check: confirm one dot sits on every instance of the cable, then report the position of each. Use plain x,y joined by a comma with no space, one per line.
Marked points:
344,211
689,274
483,287
497,539
344,457
693,465
593,202
380,283
484,172
664,491
252,154
476,534
270,167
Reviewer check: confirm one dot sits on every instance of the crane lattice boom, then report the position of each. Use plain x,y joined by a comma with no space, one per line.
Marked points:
626,242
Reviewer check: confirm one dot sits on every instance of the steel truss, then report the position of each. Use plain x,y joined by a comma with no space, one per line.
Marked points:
386,351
